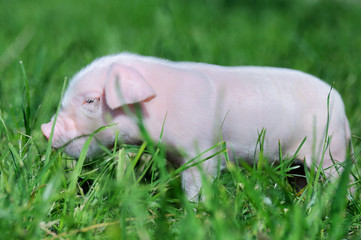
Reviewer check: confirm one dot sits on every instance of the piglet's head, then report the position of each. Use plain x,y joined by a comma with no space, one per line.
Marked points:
95,98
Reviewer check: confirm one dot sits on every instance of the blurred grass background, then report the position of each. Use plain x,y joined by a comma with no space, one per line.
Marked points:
54,39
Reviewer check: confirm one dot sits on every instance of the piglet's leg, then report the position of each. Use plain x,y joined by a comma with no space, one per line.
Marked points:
192,178
192,183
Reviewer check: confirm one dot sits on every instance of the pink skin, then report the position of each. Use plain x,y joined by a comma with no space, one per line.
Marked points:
201,102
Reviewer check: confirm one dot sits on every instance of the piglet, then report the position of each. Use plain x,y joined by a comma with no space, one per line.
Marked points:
201,104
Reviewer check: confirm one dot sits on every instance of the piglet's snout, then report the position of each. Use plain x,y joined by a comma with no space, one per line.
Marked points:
46,129
64,131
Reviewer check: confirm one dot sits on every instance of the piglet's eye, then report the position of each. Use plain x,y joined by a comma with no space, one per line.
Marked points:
91,106
91,100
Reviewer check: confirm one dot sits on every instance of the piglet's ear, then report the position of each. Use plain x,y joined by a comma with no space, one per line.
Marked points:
125,85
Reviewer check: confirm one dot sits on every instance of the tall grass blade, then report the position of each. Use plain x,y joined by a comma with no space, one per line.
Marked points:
48,161
326,142
262,161
26,101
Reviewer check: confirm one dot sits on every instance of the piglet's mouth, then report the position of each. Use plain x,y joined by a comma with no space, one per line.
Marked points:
64,143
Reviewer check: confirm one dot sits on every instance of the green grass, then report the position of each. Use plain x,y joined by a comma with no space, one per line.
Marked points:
45,194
